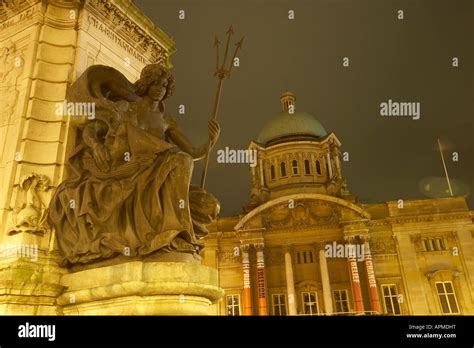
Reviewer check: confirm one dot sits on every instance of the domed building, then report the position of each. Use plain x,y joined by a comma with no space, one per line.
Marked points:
304,245
295,153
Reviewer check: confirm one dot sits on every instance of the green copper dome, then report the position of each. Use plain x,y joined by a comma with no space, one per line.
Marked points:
285,125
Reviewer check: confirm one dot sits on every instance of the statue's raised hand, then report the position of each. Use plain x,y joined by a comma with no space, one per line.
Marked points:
214,131
101,157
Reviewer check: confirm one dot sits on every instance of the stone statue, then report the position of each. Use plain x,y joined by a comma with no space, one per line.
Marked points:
128,193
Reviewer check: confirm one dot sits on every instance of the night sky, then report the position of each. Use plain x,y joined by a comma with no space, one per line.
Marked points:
407,60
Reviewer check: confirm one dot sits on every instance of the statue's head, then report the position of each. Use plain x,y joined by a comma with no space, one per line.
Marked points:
156,82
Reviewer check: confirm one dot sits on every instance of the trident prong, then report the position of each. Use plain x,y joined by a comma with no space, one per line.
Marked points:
230,32
216,45
238,46
221,73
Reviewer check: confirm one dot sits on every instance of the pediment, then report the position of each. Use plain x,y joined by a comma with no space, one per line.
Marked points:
302,210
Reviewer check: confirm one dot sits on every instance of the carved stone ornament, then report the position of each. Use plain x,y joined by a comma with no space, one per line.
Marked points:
11,68
31,217
382,245
303,213
122,23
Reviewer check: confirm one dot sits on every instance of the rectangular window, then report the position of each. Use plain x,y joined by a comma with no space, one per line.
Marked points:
341,302
390,299
304,257
279,304
433,245
447,298
310,304
233,305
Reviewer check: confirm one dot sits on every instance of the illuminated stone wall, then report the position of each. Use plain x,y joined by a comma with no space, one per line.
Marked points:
44,47
397,232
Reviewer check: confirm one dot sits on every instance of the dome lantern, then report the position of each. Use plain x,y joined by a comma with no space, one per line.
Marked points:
287,100
289,124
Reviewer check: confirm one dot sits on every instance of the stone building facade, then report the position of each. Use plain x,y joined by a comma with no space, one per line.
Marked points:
44,46
290,251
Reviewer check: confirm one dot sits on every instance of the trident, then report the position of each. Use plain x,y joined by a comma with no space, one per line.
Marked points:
221,73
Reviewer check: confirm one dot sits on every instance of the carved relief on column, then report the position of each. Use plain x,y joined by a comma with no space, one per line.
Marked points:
11,68
30,217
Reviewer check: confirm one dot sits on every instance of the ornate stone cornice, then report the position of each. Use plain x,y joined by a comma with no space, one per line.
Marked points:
415,238
378,222
428,217
454,273
10,8
128,22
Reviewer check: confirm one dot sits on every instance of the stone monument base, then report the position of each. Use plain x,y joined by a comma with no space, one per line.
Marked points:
141,288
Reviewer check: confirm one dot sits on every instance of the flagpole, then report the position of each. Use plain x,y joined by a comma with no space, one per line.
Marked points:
445,169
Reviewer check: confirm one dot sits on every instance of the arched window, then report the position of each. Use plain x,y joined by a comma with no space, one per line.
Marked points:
318,167
306,167
272,172
282,169
294,166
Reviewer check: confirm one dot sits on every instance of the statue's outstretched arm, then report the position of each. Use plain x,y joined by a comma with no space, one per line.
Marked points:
182,141
179,138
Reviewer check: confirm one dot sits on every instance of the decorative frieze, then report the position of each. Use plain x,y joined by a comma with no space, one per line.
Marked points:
229,256
145,44
11,69
382,245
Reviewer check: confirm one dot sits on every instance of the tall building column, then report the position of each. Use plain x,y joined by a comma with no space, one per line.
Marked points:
328,159
355,280
373,292
261,281
338,165
417,302
290,282
325,282
247,300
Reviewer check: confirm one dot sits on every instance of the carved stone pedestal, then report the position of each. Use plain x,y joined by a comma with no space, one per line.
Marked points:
141,288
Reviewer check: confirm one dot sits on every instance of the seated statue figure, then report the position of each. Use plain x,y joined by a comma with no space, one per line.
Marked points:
128,193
